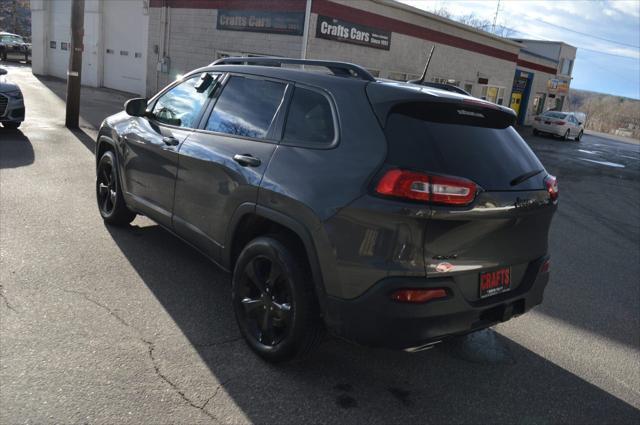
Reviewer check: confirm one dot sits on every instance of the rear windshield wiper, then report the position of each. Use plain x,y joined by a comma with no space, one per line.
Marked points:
524,177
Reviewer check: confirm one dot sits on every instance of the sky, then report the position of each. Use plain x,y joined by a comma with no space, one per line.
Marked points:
606,33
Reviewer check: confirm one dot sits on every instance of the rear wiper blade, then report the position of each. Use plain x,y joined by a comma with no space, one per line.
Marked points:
524,177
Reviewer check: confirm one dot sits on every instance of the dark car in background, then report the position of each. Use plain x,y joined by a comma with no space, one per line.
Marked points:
391,214
14,47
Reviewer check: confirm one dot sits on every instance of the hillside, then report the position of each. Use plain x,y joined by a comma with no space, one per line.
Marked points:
607,113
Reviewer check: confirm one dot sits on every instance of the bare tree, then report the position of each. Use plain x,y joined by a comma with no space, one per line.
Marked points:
476,22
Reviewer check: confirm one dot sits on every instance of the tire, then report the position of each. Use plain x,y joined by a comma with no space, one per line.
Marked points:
536,132
11,125
274,300
566,136
109,194
579,137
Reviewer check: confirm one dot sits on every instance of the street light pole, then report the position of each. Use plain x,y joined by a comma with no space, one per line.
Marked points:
74,73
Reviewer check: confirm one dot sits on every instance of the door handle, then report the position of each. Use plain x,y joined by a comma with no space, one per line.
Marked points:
170,141
247,160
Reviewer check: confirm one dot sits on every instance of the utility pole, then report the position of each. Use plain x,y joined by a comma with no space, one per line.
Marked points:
74,73
495,18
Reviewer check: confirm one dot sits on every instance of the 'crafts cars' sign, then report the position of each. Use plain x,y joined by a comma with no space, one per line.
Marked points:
291,23
339,30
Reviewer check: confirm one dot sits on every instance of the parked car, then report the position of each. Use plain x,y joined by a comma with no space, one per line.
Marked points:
13,47
561,124
390,214
11,102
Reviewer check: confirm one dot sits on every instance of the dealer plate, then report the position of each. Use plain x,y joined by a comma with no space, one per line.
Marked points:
495,282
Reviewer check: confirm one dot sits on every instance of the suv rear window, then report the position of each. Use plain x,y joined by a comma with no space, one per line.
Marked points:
491,157
310,121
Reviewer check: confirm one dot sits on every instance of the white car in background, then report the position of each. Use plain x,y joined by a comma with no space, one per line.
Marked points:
561,124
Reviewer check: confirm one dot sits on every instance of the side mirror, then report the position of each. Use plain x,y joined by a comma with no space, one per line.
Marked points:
136,107
3,71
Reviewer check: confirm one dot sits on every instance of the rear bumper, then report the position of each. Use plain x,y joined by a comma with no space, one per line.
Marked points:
556,130
373,319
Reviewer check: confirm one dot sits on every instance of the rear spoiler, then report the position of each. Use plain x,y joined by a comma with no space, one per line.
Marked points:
437,106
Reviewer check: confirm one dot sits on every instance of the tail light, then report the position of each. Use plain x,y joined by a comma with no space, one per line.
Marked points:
546,266
426,187
559,123
418,296
538,119
552,187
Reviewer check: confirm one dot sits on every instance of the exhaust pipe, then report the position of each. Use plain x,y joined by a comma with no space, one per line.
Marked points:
422,347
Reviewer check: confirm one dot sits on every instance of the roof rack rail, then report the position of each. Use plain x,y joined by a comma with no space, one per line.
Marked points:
341,69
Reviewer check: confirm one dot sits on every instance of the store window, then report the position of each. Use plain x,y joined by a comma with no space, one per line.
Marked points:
468,87
493,94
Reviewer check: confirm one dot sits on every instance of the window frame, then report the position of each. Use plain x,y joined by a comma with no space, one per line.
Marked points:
274,135
334,115
151,104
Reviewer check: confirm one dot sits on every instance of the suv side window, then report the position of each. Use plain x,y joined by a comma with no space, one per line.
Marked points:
310,120
246,107
181,105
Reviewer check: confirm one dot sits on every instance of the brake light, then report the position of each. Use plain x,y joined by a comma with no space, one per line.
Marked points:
418,295
559,123
546,266
552,187
482,103
426,187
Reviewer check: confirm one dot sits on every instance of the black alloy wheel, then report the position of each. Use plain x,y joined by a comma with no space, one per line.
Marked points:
107,189
266,301
274,300
110,200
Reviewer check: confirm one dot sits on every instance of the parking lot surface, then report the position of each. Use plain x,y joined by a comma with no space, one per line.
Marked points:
130,325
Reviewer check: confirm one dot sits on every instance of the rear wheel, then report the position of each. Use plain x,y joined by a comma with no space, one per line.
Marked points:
274,300
566,136
109,194
579,137
535,132
11,125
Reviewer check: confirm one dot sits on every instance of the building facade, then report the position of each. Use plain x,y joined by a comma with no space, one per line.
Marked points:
142,45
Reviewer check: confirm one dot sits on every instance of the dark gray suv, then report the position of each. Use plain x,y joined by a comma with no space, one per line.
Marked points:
390,214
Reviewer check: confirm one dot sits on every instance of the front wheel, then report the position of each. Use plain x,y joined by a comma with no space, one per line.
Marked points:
566,136
579,137
274,300
109,194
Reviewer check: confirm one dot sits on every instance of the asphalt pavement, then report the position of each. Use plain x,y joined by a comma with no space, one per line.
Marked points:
130,325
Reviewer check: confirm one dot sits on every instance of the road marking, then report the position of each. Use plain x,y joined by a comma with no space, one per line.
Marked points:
589,152
607,163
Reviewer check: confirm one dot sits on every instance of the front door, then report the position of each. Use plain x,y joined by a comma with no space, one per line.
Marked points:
151,148
221,166
516,98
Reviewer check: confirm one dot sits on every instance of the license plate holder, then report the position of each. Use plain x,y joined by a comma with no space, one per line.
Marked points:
494,282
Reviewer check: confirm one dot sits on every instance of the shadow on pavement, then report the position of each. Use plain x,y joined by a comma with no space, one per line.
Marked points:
482,378
15,149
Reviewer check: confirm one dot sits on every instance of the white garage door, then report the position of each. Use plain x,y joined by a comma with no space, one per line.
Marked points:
58,43
125,45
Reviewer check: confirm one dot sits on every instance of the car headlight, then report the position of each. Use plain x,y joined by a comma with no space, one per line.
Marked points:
16,94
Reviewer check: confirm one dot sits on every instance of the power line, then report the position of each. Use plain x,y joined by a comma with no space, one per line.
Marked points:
586,34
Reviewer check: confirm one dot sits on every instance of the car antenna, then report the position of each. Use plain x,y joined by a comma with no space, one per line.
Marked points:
426,66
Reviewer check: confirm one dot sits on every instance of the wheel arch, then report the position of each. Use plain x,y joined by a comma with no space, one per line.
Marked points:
250,221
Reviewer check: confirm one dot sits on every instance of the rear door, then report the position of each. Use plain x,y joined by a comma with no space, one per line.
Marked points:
222,164
507,224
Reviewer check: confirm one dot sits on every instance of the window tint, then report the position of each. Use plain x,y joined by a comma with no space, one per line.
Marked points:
491,157
181,105
246,107
310,121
